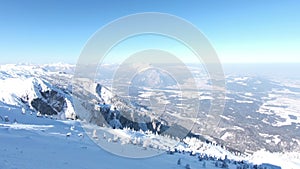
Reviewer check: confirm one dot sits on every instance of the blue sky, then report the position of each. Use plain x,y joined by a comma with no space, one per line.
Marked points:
44,31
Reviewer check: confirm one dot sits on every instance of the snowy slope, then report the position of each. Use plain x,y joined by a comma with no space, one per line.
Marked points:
35,142
12,92
51,141
27,86
46,143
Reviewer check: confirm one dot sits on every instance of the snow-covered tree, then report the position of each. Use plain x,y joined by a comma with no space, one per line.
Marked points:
95,134
146,143
23,110
116,138
38,114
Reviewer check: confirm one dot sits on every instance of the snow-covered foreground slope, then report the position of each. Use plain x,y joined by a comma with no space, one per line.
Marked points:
35,142
286,160
28,141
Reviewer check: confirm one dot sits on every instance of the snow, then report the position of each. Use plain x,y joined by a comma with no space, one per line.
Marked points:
237,128
69,110
146,94
285,160
271,138
29,142
24,83
248,94
225,117
26,126
283,106
242,83
240,78
244,101
12,89
276,139
65,144
226,136
61,145
265,135
206,98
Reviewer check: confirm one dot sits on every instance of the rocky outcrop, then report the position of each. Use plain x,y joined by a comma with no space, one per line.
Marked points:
51,102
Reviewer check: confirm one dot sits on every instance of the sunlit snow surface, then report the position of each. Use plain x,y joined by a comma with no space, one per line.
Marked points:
45,143
35,142
40,142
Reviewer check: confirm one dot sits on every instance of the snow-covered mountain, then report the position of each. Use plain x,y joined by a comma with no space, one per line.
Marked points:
261,111
45,90
39,105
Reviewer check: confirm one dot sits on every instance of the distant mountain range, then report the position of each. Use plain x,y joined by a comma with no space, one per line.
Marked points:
260,113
